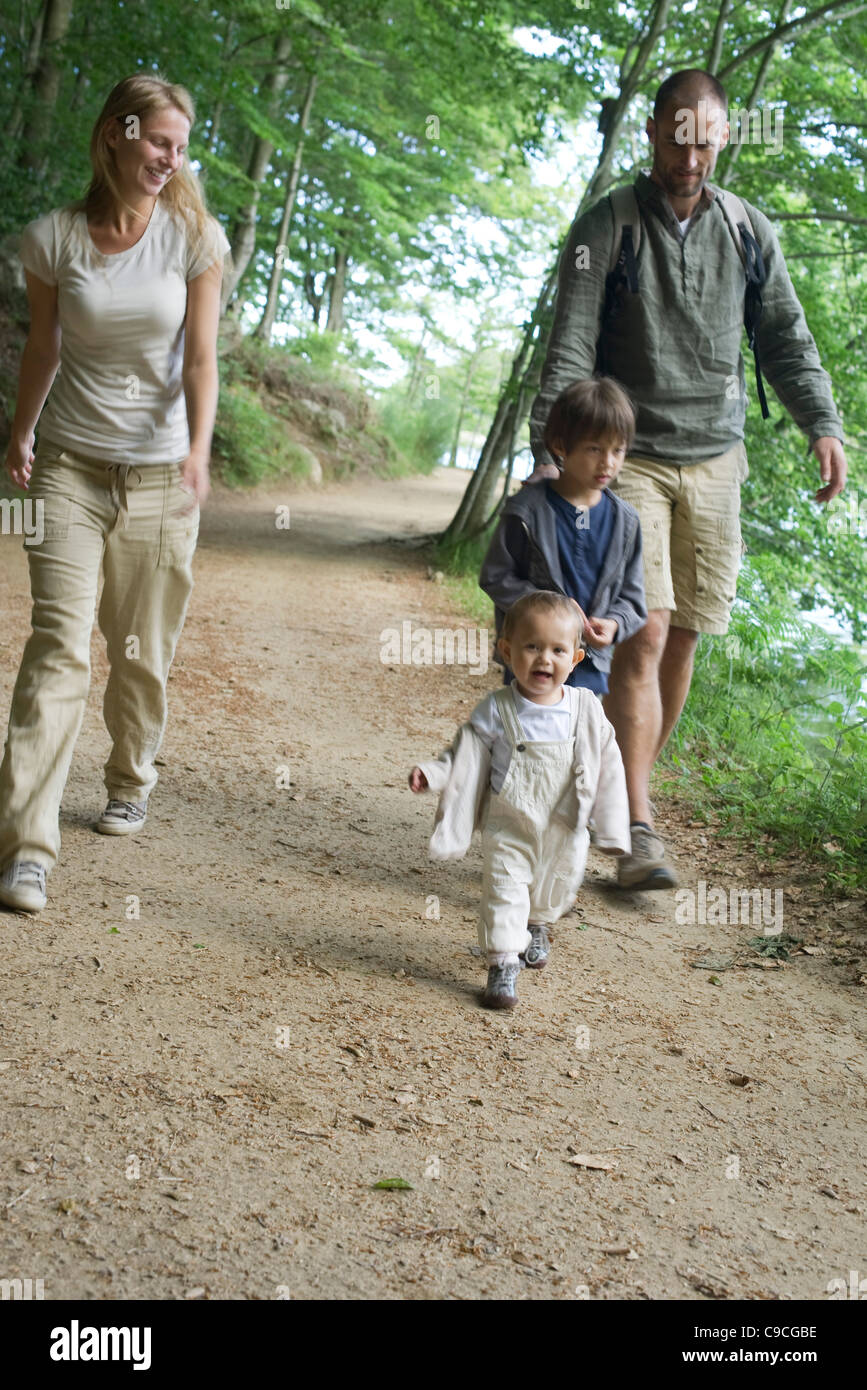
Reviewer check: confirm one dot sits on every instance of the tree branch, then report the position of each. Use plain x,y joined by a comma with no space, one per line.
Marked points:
793,29
817,217
715,53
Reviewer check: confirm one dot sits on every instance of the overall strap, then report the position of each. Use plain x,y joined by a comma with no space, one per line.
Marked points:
509,714
580,698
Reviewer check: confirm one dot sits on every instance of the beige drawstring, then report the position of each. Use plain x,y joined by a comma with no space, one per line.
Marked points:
117,476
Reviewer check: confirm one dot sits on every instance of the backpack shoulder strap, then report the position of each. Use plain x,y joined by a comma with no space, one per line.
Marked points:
627,234
736,217
750,252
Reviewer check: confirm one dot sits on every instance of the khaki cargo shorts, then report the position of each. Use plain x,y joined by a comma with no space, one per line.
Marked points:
691,533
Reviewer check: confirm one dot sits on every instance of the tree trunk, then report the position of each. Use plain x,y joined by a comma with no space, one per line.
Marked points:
266,323
418,362
39,103
334,322
243,238
474,511
462,407
313,299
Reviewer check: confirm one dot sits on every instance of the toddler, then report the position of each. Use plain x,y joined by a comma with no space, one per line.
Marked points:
536,759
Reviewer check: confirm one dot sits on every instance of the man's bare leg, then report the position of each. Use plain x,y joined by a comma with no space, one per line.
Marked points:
635,707
650,681
675,677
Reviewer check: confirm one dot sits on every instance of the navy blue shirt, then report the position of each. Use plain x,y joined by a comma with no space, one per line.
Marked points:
583,538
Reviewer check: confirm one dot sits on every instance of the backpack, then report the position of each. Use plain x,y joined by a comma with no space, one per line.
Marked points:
623,267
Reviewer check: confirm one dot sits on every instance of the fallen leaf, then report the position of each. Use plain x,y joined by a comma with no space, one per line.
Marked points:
713,963
594,1161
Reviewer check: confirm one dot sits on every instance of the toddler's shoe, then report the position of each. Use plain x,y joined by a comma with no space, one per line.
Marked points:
500,991
536,954
22,886
122,817
646,867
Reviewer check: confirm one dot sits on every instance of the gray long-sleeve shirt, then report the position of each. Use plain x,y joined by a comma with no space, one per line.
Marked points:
676,345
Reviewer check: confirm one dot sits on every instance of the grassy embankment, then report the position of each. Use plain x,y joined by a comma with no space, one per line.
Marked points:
772,746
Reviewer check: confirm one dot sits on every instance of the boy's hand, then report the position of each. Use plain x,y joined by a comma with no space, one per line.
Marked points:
600,632
417,780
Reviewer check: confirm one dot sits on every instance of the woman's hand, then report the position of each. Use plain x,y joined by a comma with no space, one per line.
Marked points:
19,460
196,478
417,780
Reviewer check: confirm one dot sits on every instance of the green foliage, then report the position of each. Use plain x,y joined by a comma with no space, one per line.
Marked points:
420,431
320,349
773,740
250,445
461,563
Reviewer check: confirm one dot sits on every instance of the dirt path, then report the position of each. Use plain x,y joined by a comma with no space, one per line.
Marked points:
196,1103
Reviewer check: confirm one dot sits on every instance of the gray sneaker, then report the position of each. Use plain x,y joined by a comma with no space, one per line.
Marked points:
22,886
500,991
536,955
122,817
646,866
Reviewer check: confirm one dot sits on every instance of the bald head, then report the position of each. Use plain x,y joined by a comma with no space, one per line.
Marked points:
686,89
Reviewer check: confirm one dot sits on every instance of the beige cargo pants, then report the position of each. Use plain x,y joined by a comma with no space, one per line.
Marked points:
129,521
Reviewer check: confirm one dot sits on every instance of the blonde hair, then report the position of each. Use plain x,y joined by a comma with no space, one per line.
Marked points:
543,601
140,96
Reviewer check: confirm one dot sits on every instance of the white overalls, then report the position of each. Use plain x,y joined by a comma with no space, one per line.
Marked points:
533,857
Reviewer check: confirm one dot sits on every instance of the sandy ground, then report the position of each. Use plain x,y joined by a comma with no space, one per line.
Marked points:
197,1102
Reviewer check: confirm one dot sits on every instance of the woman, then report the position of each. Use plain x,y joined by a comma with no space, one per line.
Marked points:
124,292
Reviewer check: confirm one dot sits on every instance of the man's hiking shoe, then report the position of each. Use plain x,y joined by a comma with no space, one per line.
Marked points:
500,991
122,817
645,868
536,954
22,886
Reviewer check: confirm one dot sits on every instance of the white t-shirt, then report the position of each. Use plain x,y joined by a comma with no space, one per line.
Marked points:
118,394
540,724
684,224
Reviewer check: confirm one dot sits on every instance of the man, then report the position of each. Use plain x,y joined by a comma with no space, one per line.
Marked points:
675,347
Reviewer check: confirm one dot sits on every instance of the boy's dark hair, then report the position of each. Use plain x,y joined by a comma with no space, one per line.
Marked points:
543,600
594,409
687,87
